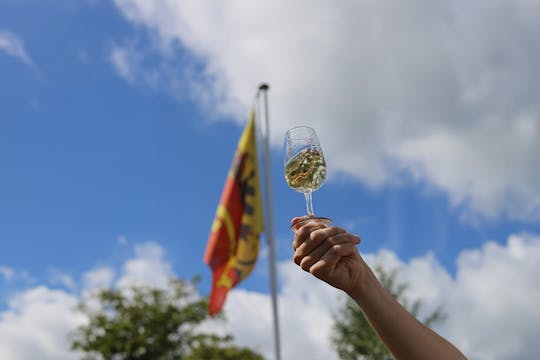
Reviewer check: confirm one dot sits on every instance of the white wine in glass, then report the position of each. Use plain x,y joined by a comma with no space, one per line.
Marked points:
305,168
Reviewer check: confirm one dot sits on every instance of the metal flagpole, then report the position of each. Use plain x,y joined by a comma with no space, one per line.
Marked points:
269,227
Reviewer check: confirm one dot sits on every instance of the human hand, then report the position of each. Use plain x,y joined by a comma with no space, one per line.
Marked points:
329,253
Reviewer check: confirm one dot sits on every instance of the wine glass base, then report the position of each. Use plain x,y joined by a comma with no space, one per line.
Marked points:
298,223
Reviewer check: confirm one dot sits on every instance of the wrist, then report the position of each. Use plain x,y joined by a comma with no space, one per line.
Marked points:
365,288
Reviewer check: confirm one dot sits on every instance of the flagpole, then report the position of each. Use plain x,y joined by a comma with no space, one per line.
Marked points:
269,226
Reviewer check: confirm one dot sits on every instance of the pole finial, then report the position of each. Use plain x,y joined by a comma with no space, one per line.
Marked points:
264,86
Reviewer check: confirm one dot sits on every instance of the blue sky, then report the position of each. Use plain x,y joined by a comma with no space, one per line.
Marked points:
119,120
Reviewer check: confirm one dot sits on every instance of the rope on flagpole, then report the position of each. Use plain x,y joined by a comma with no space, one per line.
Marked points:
269,223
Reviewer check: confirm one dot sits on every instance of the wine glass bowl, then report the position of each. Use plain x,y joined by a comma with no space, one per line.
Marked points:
305,167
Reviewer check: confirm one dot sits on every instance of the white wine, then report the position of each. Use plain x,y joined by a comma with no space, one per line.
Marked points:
306,171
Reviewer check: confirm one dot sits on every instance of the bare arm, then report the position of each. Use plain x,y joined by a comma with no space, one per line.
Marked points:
330,254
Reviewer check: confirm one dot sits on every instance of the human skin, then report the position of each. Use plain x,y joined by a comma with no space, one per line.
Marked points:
330,253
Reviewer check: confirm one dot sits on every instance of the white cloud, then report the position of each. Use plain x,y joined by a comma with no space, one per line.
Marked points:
445,91
125,63
99,278
7,273
60,278
121,239
37,321
11,275
494,295
148,267
13,45
36,325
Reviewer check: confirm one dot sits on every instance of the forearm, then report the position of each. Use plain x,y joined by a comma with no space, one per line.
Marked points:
403,335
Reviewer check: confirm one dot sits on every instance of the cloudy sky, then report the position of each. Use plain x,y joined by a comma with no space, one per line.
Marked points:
119,120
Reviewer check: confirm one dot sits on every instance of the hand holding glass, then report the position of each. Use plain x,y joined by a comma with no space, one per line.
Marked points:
305,168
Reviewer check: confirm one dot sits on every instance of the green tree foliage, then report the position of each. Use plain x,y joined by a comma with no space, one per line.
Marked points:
353,336
151,324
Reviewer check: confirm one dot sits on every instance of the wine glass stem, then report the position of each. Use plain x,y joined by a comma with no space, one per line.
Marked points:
309,203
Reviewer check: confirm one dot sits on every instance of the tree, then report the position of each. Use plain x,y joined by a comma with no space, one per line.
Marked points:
353,336
151,324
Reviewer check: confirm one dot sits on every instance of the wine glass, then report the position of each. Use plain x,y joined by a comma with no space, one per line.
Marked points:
305,168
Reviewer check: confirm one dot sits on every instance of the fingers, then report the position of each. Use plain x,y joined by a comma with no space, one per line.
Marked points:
329,260
303,232
332,245
314,239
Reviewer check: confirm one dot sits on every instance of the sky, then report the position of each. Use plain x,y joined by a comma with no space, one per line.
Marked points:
119,120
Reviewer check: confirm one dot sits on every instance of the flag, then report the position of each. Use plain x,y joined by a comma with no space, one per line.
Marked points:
233,244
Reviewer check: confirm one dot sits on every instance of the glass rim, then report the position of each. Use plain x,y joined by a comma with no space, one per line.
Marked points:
309,131
300,127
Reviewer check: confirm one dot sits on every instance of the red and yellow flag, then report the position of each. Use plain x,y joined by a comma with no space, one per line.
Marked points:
233,244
